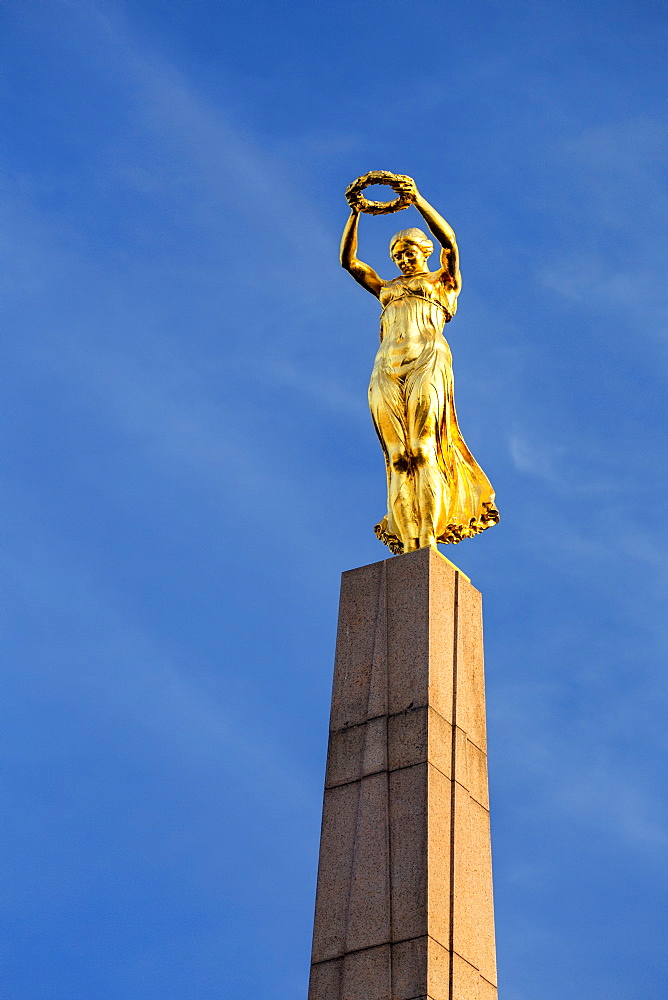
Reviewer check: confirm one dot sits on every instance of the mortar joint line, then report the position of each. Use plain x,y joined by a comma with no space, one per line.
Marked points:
405,767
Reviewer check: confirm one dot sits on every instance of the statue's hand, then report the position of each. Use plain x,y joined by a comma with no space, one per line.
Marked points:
407,187
353,199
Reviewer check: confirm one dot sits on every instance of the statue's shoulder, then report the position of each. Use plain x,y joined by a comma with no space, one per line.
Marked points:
443,284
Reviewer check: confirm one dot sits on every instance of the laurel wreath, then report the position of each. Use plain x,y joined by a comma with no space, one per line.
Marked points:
356,199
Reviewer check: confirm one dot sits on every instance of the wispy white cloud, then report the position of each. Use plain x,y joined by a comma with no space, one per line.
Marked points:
227,165
597,282
326,393
554,464
540,461
115,341
617,214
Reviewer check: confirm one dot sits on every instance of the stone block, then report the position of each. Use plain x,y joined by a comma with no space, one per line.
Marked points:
487,990
441,633
473,921
408,851
465,980
356,752
337,851
407,738
374,757
438,970
470,666
367,975
369,906
326,980
439,876
440,743
408,631
409,968
360,610
344,756
471,768
419,735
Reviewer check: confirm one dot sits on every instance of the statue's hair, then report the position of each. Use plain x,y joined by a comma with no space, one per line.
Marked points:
415,236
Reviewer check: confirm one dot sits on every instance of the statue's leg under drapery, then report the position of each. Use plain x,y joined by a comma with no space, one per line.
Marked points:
425,397
387,403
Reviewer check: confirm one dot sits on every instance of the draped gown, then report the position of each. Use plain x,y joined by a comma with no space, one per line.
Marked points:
411,398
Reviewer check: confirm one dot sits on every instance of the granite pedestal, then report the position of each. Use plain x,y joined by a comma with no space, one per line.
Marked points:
404,900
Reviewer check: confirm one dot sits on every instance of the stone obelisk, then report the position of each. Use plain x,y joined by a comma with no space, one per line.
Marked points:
404,905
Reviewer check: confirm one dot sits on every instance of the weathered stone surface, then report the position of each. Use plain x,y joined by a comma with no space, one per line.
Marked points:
407,634
326,980
471,765
339,827
369,892
439,963
404,900
409,968
344,756
470,666
356,752
408,851
360,614
439,857
443,580
465,980
367,975
408,738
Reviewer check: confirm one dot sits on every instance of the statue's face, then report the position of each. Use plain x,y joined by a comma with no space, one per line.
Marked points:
409,258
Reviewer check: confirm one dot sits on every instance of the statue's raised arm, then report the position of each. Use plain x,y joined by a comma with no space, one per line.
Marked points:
445,235
360,271
436,491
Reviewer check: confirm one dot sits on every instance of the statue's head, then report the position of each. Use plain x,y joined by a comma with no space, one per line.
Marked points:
410,250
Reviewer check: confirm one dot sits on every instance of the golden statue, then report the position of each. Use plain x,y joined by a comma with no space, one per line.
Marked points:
436,491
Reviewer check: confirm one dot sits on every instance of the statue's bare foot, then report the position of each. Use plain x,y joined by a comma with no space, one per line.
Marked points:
411,544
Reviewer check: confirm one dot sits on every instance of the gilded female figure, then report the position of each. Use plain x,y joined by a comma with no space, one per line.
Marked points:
436,491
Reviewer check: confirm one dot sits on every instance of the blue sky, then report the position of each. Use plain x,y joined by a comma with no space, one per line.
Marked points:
191,465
